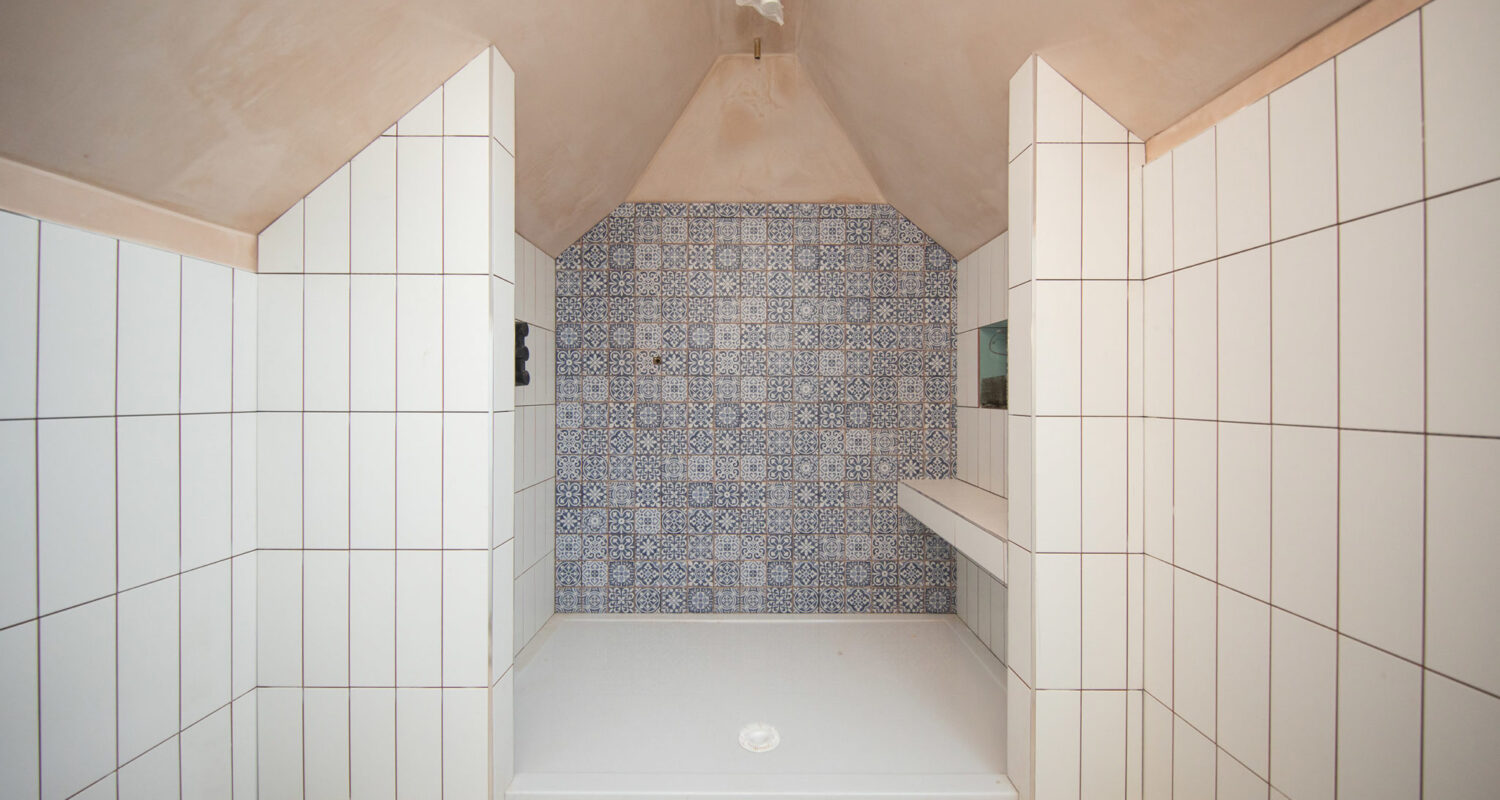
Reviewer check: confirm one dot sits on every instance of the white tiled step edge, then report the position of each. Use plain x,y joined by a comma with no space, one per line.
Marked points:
966,516
542,786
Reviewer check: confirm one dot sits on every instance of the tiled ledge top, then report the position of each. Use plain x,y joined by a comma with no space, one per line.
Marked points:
987,511
971,519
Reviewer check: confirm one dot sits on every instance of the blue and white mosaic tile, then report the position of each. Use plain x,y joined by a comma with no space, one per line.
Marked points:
739,388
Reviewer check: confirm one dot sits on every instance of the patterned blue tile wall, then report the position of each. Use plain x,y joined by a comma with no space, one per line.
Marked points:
739,388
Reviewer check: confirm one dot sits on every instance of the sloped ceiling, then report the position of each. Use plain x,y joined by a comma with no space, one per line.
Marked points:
229,111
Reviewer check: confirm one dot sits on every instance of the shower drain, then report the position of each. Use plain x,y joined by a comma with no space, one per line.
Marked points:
758,737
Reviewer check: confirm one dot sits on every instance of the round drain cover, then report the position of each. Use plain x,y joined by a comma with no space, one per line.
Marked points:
758,737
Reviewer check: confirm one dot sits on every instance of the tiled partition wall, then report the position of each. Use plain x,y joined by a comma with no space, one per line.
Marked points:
387,555
127,519
536,422
1075,566
739,389
983,295
1322,399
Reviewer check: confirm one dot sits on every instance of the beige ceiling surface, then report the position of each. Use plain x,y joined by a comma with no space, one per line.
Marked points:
229,111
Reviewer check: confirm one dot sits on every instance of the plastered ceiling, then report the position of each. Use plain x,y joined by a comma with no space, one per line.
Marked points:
230,111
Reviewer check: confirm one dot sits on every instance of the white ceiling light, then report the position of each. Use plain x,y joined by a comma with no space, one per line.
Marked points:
770,9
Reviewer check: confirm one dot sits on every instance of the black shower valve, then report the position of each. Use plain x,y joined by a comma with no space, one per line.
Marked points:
523,353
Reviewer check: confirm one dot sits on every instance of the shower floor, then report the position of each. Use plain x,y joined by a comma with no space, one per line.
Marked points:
866,706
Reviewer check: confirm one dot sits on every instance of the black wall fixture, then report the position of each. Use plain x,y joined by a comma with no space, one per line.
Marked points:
523,378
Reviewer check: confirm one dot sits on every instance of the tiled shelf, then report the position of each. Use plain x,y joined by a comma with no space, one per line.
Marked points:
966,516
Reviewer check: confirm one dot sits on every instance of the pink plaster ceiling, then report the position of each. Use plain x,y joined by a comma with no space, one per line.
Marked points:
229,111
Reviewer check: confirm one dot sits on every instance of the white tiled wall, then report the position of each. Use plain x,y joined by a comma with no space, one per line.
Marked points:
982,300
127,519
381,310
536,462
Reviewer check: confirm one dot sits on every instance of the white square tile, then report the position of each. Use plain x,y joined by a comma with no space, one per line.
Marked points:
1381,276
1057,365
1244,542
1099,126
1135,490
1156,750
1021,207
466,343
1195,343
1462,121
1304,153
1463,636
207,336
466,748
147,513
207,765
279,479
1459,724
150,293
20,750
1304,330
1057,750
325,483
502,215
243,739
1106,215
243,583
1463,377
968,369
106,788
279,344
419,618
76,325
419,484
503,456
19,239
243,370
1102,766
1379,724
1135,203
1195,454
279,752
1243,161
372,743
1058,621
466,98
1236,782
1104,485
1018,438
280,246
244,430
372,343
1244,679
1059,107
1380,539
18,533
1304,681
279,614
1304,522
425,118
466,480
372,480
419,737
372,618
1104,629
205,641
326,618
1194,630
1022,125
372,208
1244,333
1156,220
1158,664
1380,120
147,668
466,205
1194,214
466,607
502,101
325,742
503,608
1158,346
77,697
1158,488
205,479
155,774
419,205
503,731
1193,761
502,368
1104,367
326,343
419,343
326,213
1059,488
1059,210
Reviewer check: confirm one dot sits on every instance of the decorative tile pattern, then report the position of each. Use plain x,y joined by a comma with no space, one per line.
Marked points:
739,387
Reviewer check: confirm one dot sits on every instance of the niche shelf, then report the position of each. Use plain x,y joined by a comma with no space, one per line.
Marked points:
966,516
